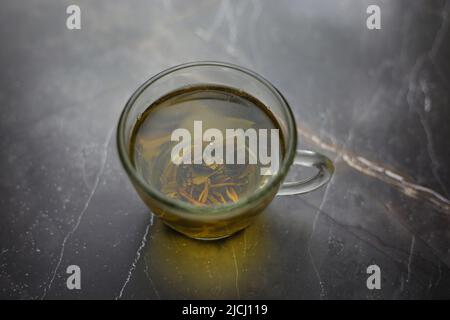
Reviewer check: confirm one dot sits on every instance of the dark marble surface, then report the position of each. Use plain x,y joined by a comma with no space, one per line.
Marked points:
377,102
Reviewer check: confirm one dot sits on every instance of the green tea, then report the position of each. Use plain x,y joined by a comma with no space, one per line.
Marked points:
200,184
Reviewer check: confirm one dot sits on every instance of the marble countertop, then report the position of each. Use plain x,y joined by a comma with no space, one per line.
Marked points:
375,101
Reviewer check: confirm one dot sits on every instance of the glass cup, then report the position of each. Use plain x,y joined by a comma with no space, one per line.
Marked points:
216,222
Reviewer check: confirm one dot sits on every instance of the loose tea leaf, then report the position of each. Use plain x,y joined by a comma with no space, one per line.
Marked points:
198,184
204,194
232,194
194,184
189,198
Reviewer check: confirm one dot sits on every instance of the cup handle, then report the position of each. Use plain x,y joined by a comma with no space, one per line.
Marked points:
308,158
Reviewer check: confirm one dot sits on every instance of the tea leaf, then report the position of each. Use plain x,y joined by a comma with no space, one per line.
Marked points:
227,184
213,199
200,179
220,196
231,193
168,178
204,194
189,198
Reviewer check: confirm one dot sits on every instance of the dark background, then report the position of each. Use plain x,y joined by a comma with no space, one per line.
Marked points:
375,101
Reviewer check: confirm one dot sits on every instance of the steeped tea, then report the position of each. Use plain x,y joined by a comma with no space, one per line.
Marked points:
205,182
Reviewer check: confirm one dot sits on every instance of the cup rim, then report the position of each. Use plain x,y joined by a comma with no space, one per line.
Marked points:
186,209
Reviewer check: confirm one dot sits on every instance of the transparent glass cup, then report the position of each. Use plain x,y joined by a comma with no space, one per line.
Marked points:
221,221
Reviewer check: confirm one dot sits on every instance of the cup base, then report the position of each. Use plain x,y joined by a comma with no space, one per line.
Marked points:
205,239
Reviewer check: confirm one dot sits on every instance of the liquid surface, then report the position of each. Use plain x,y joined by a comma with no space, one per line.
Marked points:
198,184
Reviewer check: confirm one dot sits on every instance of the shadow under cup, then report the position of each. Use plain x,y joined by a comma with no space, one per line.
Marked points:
215,222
